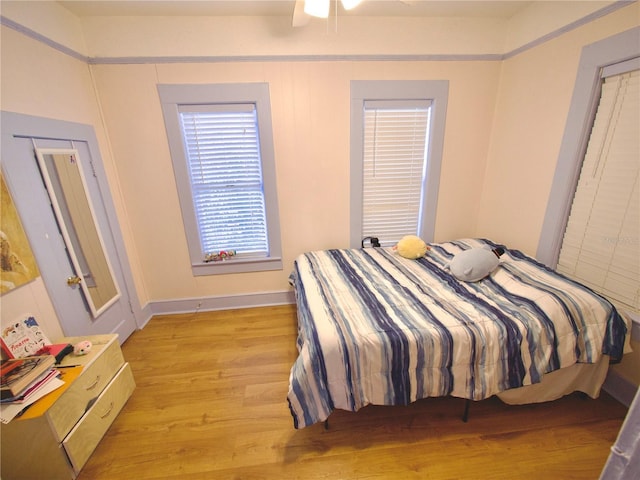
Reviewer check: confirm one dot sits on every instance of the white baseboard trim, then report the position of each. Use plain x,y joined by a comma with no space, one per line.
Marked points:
619,388
145,315
208,304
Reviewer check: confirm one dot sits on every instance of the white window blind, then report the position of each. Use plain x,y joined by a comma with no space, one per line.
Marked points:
601,244
223,156
394,167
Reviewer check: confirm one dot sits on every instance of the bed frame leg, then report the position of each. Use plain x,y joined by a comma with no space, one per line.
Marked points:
465,415
326,424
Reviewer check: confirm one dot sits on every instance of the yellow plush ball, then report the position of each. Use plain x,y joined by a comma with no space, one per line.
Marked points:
411,246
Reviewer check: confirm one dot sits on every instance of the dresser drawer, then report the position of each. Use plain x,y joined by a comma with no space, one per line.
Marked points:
83,439
97,373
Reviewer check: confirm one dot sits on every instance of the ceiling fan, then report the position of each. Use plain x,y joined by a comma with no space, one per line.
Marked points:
305,9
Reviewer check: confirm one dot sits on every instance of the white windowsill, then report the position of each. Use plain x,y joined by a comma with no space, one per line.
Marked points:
237,265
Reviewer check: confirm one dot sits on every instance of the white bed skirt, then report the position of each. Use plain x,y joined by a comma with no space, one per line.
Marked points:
583,377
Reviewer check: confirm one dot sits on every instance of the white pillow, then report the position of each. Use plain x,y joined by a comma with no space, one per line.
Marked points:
475,264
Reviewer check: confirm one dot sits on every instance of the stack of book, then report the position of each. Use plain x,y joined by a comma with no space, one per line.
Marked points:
23,378
28,367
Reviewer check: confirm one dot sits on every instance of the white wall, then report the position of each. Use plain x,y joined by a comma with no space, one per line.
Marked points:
531,112
38,80
310,110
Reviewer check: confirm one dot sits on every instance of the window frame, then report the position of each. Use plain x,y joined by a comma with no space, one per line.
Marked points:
171,98
437,92
586,95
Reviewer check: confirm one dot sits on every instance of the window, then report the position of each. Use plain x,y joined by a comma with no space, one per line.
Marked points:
397,131
222,152
596,61
394,161
600,247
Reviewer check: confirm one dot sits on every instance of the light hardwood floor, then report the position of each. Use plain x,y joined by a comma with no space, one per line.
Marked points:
211,403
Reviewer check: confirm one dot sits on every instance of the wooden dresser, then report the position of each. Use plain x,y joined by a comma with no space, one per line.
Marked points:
56,436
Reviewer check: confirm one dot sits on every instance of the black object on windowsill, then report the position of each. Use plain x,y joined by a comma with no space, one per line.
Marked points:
372,242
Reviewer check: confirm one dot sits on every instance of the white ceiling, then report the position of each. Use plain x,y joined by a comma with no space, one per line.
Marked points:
426,8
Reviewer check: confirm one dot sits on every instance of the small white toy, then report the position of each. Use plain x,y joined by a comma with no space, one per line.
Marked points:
476,263
82,348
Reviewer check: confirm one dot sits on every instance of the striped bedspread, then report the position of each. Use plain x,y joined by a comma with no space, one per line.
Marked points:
376,328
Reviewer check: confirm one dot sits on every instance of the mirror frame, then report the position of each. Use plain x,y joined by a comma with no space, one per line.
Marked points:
73,257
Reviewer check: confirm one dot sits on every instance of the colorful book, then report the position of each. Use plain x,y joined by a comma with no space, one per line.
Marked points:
21,373
23,338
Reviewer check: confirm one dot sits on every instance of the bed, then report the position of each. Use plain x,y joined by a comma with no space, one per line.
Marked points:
376,328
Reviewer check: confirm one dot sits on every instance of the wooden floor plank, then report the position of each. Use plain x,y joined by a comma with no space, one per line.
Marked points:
210,403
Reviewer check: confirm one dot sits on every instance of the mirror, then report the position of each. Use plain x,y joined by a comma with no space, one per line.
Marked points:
64,179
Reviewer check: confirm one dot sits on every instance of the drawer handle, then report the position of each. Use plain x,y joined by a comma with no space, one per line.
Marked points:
106,414
94,384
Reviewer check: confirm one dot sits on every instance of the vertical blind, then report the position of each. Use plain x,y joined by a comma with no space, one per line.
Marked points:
601,244
223,155
394,164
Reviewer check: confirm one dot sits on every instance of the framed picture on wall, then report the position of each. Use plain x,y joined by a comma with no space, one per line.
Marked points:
17,263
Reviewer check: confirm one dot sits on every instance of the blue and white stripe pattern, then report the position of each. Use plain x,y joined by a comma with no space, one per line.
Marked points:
376,328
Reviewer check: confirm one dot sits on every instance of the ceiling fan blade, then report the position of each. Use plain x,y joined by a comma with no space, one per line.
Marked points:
300,19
